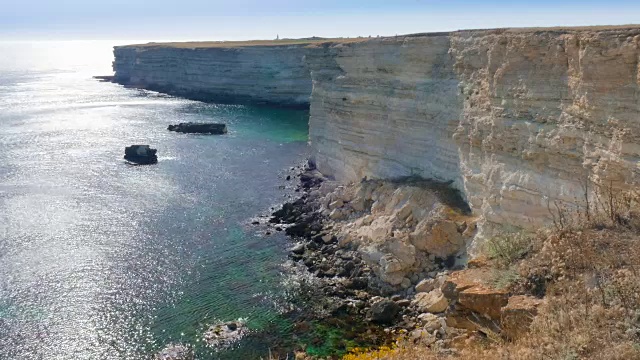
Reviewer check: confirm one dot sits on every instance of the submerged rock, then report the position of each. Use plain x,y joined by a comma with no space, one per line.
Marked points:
223,335
140,154
199,128
175,352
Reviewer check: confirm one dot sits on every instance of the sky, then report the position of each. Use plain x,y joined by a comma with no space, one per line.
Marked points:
266,19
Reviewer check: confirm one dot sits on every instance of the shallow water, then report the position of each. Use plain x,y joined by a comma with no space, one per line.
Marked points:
99,259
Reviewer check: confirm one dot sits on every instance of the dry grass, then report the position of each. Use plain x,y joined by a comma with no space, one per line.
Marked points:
593,295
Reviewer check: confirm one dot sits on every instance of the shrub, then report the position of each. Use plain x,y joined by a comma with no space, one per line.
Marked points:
505,278
506,248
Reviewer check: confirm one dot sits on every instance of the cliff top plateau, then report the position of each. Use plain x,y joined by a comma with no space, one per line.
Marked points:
317,40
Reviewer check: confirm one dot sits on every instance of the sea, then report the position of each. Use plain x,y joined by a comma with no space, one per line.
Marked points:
103,260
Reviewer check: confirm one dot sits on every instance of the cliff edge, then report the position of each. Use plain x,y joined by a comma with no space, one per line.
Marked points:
522,121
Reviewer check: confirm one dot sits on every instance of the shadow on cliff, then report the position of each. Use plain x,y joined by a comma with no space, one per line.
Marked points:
447,194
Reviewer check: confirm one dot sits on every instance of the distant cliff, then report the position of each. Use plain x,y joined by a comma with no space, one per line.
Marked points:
275,75
519,120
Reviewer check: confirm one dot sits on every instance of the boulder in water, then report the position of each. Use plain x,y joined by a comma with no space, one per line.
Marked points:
199,128
140,154
225,334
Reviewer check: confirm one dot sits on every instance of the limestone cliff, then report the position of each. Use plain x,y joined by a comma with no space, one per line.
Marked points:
274,75
519,120
522,121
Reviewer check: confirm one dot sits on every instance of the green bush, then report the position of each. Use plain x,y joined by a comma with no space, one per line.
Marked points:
506,248
505,279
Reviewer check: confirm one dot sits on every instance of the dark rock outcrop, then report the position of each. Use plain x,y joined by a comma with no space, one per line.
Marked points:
140,154
105,78
199,128
383,312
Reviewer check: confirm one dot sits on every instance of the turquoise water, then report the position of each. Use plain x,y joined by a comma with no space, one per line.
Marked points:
101,260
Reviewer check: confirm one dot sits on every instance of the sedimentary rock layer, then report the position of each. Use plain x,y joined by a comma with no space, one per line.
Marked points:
274,75
386,108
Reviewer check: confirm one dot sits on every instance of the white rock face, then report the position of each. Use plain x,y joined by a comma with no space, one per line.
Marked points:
386,108
518,119
254,74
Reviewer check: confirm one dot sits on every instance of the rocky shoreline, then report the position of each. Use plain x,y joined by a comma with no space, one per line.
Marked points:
379,263
388,257
346,285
